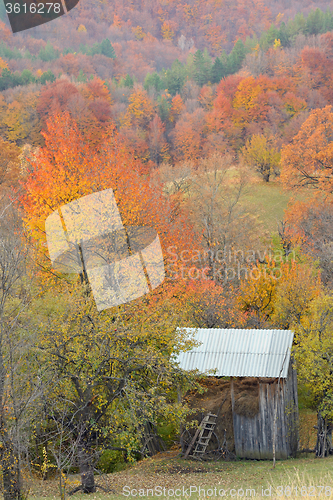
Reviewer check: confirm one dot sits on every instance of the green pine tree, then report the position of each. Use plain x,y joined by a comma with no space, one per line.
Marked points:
174,78
128,81
219,71
283,35
163,108
267,38
27,77
107,49
48,53
236,57
47,76
153,80
202,68
328,21
296,26
314,22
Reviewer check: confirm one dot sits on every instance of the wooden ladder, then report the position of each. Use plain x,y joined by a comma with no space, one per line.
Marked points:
203,435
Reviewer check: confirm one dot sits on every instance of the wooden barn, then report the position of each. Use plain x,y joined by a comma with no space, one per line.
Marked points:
252,387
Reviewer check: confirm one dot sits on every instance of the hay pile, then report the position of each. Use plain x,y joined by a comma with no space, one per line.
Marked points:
218,392
246,394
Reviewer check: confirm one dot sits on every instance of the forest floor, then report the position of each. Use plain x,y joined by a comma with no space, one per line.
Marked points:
167,476
167,470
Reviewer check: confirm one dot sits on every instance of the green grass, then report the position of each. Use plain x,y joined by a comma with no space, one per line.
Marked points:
269,201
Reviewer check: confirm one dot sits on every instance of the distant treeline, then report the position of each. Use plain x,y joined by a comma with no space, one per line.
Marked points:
200,67
9,79
49,53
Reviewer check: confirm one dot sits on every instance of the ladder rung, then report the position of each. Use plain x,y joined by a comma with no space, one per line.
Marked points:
208,425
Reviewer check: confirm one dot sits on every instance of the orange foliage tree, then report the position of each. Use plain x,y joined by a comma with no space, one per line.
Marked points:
316,67
244,105
3,65
140,109
54,98
68,168
187,136
308,160
89,104
177,106
309,225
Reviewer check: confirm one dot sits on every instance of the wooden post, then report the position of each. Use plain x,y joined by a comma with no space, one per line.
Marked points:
275,410
192,442
274,423
232,395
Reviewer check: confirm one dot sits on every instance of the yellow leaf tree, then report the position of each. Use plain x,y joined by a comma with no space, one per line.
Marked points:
260,153
313,352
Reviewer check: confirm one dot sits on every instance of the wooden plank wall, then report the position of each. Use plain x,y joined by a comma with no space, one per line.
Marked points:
291,410
254,436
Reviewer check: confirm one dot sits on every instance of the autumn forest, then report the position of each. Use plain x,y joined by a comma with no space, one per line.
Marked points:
212,122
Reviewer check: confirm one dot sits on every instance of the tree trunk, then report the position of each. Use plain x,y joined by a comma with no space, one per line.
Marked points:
266,175
322,445
86,469
10,471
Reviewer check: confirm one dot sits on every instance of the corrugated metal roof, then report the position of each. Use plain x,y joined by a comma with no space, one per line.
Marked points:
239,353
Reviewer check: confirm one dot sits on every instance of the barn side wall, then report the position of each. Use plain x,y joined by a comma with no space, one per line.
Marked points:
254,436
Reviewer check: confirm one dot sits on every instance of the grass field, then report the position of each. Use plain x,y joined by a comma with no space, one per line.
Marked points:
238,479
269,201
266,200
